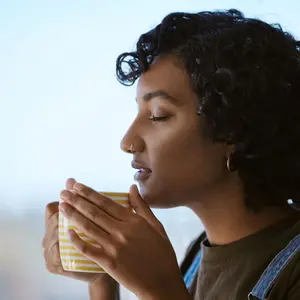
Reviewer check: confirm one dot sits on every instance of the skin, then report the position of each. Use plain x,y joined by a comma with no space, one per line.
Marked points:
188,169
176,146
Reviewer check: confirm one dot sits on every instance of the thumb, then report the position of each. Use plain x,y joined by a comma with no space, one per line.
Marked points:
143,209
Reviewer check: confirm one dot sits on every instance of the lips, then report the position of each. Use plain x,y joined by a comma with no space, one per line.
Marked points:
140,166
143,171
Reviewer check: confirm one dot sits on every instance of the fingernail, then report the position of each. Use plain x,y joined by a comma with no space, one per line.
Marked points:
62,206
64,194
78,186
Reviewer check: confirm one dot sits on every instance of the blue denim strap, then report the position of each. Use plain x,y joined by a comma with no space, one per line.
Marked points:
271,273
193,269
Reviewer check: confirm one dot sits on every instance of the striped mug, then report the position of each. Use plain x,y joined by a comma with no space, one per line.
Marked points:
71,258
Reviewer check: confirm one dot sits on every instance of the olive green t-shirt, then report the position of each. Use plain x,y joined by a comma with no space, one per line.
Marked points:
231,271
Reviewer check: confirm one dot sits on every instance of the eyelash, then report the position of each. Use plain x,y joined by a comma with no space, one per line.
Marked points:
158,119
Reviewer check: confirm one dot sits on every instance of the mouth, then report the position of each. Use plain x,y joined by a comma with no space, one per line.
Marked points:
143,172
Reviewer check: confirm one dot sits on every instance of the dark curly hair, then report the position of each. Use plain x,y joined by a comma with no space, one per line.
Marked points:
246,74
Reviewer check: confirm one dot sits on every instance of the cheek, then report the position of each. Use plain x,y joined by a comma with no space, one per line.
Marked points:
185,157
177,147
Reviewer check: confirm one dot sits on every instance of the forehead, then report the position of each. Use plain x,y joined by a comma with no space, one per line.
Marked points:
168,74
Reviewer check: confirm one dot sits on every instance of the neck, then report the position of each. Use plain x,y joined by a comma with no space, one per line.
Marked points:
226,219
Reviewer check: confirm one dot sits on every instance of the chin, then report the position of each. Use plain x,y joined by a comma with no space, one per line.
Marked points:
155,197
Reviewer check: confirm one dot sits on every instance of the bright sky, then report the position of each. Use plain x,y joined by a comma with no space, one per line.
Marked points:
63,113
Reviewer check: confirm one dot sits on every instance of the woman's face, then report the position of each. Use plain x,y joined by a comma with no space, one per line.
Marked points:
178,165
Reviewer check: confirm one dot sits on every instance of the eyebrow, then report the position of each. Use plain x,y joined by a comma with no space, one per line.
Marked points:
159,94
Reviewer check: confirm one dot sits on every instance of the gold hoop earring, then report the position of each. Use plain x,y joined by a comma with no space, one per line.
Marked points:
229,165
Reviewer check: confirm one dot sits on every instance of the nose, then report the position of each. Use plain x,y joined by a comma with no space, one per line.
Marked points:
132,142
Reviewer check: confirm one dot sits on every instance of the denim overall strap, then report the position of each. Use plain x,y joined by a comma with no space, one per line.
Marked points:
271,273
193,269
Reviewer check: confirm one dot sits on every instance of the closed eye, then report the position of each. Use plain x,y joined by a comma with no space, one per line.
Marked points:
158,119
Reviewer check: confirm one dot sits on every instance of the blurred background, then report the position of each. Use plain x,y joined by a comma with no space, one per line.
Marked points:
63,114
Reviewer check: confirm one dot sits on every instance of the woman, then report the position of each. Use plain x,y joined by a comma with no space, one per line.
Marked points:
217,130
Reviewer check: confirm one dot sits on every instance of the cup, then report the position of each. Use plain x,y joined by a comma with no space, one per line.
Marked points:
71,258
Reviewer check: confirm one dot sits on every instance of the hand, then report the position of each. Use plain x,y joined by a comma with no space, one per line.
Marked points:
51,248
134,247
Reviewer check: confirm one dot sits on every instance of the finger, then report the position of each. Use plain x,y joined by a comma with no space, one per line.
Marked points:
96,254
70,183
139,205
52,227
91,211
84,225
143,209
111,207
51,209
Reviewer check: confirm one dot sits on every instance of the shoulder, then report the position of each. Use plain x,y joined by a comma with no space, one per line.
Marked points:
293,270
287,284
294,280
290,278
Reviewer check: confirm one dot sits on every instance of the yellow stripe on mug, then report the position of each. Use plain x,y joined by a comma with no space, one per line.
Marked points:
72,259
